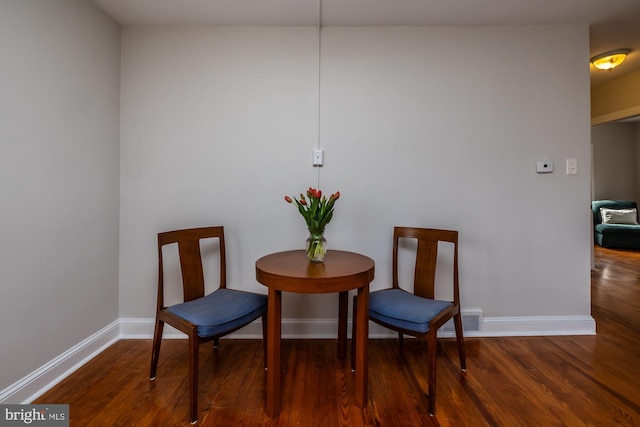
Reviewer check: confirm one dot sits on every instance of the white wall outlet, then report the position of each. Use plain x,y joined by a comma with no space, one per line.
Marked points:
318,157
544,167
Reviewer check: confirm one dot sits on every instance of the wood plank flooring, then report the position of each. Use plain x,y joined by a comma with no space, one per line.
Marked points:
515,381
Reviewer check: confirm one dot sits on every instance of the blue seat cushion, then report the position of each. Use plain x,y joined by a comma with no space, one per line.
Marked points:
221,311
402,309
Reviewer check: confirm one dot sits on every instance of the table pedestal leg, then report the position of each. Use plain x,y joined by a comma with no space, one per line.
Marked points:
343,307
362,343
274,319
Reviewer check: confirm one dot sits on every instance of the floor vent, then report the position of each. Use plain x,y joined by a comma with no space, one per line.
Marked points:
471,322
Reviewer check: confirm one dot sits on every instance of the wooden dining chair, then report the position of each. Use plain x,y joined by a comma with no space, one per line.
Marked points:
417,313
201,317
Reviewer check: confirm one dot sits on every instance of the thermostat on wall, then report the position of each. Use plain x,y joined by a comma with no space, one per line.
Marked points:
544,167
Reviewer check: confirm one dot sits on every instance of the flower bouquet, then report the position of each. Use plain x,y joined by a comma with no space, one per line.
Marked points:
317,211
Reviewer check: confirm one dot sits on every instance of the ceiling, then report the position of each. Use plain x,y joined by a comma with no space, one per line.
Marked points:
613,24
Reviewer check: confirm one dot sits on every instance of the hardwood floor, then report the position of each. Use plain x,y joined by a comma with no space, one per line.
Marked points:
516,381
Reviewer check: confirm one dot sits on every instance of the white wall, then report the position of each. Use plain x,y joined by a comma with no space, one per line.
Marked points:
59,127
615,171
434,127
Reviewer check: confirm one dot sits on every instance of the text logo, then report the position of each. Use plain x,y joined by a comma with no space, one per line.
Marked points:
34,415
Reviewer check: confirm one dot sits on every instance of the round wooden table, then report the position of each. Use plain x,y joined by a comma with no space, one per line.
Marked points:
340,272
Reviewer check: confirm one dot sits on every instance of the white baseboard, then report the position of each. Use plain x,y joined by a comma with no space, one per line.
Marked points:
50,374
327,328
291,329
537,326
42,379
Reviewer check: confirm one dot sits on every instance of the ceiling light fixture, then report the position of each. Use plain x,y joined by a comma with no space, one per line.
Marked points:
610,60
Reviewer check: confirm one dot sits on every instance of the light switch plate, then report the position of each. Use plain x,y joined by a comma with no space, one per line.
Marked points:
318,157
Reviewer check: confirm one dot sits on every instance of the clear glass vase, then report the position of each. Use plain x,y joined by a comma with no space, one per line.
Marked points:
316,246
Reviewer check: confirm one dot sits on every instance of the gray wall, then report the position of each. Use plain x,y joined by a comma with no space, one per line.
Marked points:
59,125
434,127
615,159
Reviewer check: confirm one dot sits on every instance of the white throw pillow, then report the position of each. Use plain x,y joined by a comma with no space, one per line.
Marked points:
619,216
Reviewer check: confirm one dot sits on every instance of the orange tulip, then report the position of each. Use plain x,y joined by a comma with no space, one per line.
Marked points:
316,210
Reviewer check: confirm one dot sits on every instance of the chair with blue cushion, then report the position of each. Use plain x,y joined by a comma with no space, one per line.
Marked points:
417,313
201,317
